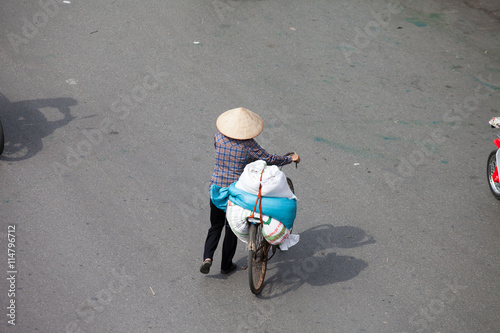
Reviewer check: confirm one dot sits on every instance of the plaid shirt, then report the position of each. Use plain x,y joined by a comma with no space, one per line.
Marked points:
231,157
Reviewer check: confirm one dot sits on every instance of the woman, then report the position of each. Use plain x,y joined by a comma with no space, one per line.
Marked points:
234,149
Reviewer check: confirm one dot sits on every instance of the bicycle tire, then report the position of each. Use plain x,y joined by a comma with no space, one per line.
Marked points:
258,249
492,164
2,139
290,184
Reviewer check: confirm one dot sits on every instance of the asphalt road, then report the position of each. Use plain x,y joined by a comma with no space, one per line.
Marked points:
109,112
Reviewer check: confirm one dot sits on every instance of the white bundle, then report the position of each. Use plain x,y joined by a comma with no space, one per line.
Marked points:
237,218
273,182
273,230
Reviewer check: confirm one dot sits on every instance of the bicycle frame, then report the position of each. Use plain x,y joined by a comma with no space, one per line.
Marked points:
252,220
252,247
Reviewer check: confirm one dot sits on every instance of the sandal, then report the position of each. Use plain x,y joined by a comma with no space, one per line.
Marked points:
205,267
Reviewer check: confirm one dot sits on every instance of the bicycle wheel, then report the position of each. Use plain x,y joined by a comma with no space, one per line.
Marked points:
1,139
492,165
257,258
290,184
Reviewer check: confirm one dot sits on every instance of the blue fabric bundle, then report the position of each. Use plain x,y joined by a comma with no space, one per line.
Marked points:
281,209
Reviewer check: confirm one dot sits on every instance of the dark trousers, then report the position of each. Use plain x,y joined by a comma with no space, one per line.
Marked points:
218,221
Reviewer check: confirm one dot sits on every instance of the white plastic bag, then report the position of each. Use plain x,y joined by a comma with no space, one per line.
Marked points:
274,182
290,241
273,230
237,218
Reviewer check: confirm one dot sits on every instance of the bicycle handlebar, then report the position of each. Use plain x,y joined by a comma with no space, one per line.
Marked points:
290,154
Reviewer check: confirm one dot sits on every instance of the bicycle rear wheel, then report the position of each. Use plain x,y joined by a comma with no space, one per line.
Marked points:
258,249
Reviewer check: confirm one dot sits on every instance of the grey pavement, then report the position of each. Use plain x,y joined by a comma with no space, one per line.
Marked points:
109,112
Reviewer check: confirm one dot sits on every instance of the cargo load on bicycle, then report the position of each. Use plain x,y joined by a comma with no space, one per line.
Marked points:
278,204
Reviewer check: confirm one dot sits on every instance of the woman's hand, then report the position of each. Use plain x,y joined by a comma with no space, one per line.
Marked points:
296,158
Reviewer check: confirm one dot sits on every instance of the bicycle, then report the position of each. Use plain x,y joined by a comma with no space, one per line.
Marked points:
258,250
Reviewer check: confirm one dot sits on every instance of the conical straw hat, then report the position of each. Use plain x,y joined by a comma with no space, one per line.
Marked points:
240,124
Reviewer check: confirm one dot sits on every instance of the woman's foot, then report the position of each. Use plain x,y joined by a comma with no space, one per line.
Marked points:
205,267
233,267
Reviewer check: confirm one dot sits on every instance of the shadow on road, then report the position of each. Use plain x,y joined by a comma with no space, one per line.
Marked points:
25,124
314,260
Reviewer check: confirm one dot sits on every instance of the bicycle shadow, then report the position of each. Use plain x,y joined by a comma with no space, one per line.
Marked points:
25,125
314,261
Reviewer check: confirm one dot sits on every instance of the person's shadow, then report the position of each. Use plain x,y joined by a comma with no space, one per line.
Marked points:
24,125
314,260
